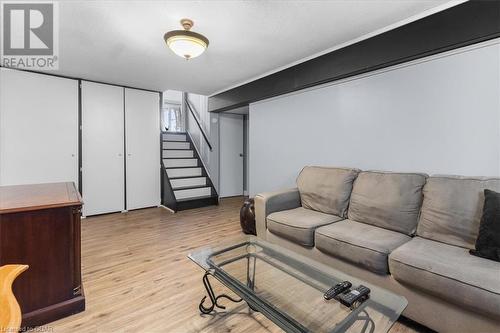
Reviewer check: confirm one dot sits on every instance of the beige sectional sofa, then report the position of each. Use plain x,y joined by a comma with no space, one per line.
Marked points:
406,232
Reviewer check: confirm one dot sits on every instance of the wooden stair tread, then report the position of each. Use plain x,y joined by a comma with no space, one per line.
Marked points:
180,158
191,167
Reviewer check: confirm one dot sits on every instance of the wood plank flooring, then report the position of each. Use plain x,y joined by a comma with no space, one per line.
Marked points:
137,277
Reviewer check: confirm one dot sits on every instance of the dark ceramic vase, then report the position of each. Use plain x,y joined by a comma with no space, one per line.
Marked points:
247,217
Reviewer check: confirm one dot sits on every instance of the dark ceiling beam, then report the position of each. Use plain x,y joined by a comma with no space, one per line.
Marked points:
468,23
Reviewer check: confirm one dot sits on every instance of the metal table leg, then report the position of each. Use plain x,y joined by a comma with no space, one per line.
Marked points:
213,299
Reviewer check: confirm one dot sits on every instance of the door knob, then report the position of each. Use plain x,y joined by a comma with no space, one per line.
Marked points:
120,155
241,155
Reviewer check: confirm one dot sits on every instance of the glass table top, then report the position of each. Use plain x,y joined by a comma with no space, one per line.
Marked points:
288,288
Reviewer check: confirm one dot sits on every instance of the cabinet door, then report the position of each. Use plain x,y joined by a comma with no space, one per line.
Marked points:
142,119
46,237
38,128
103,178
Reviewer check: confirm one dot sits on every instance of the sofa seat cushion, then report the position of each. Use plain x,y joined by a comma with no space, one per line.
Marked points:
298,224
359,243
448,272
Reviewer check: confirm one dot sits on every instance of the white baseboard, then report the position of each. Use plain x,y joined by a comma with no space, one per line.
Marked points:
166,208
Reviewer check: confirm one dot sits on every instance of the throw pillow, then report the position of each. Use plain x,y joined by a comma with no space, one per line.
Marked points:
488,240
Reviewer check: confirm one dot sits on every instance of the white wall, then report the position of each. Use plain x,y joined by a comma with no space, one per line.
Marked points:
200,105
172,96
436,115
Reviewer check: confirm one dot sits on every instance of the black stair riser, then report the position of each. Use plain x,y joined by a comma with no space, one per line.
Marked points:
187,177
197,203
190,188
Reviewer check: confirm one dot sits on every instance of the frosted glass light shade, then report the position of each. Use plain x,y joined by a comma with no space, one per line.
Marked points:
186,46
186,43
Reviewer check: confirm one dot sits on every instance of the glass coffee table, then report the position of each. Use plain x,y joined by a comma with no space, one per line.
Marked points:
288,289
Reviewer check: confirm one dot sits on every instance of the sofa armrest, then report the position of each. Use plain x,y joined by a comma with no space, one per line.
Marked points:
270,202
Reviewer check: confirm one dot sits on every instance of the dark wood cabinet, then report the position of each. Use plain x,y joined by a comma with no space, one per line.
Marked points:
40,227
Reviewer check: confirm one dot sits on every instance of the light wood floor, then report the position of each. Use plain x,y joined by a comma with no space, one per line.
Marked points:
137,277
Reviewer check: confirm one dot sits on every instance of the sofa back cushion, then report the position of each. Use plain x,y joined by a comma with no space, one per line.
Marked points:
387,200
326,190
452,208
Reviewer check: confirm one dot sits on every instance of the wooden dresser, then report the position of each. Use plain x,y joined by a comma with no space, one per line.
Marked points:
40,227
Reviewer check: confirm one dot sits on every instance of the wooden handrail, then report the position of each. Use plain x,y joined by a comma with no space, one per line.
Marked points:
10,312
188,104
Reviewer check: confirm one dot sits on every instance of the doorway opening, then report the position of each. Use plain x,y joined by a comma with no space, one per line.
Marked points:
233,158
172,118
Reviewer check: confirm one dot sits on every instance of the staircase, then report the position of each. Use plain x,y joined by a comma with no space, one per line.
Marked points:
185,182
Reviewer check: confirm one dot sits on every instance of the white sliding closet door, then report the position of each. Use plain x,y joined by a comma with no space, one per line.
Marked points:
103,175
38,128
142,123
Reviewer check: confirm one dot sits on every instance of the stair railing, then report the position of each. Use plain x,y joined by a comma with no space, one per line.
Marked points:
195,116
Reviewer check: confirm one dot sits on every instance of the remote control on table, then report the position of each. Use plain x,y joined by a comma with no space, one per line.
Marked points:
337,289
358,294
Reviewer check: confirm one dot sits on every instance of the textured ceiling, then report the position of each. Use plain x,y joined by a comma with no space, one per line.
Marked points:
122,41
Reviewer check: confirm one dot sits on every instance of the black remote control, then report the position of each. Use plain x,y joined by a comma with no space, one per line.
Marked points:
360,293
337,289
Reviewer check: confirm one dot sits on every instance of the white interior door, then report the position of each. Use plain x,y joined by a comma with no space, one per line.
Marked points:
142,123
231,154
103,175
38,128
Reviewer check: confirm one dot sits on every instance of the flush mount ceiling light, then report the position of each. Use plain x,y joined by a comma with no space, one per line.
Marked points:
186,43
